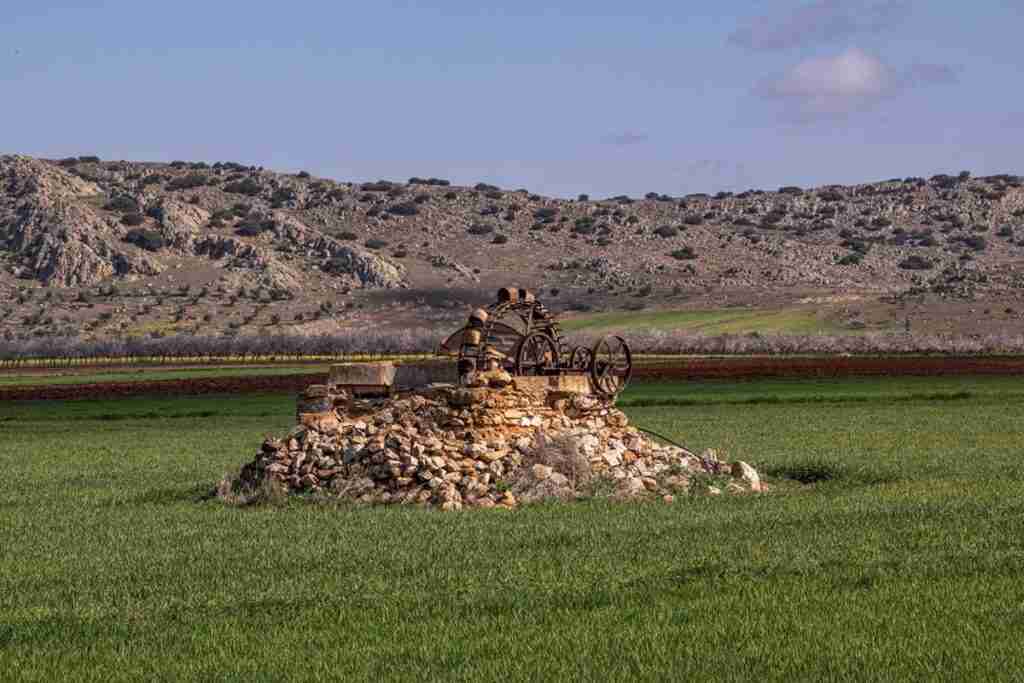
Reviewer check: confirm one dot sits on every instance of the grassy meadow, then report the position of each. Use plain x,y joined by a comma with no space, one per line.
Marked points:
900,556
796,320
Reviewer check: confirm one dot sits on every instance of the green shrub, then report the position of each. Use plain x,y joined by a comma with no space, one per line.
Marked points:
684,254
374,243
584,226
254,225
666,231
246,186
188,182
480,229
975,242
282,195
916,262
150,240
499,239
133,218
405,209
122,203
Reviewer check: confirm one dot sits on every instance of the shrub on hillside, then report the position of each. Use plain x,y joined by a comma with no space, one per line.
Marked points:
684,254
916,262
253,226
404,209
150,240
480,229
188,182
121,203
374,243
282,195
975,242
666,231
246,186
133,218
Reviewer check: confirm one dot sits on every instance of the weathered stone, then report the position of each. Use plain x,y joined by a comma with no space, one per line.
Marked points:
541,472
748,474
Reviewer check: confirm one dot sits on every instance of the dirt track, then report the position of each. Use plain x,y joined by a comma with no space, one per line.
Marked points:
692,369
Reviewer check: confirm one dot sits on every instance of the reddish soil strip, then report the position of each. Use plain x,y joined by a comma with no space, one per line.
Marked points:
837,366
690,369
272,384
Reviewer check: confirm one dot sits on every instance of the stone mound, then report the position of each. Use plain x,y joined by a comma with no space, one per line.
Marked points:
455,447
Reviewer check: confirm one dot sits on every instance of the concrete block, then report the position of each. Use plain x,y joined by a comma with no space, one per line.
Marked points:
363,374
421,373
569,384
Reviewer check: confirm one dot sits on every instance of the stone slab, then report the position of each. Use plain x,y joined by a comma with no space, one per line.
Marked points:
569,384
423,373
363,374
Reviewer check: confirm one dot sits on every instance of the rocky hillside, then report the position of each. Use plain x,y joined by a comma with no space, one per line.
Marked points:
96,248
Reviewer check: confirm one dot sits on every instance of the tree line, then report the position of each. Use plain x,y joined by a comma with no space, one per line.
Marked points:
363,343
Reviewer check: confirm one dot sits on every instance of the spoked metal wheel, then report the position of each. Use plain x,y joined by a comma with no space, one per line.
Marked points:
611,365
580,358
536,355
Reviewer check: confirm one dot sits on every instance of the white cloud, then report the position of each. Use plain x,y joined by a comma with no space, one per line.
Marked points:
847,82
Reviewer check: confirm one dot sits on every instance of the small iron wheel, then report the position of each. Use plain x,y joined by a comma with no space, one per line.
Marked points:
611,365
580,358
537,354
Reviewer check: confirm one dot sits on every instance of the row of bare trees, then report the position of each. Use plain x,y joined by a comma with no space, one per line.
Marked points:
56,352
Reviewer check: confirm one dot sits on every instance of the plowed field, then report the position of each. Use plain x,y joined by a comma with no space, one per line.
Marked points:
692,369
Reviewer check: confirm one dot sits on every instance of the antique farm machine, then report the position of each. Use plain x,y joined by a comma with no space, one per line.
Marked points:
518,334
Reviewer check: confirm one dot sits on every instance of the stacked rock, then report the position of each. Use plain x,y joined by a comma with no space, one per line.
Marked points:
485,446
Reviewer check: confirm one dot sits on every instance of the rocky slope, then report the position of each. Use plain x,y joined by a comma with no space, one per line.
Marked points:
114,248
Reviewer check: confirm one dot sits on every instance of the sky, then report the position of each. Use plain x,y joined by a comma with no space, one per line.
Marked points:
561,98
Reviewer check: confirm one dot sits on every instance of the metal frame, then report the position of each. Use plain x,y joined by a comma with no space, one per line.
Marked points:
533,327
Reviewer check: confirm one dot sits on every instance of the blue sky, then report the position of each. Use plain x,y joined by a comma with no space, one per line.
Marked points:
598,97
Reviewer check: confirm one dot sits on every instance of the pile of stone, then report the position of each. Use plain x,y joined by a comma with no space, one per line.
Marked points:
510,442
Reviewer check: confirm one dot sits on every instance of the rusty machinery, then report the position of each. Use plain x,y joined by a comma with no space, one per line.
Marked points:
520,335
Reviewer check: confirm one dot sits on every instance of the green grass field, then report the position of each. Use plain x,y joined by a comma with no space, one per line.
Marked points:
58,376
803,320
904,562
